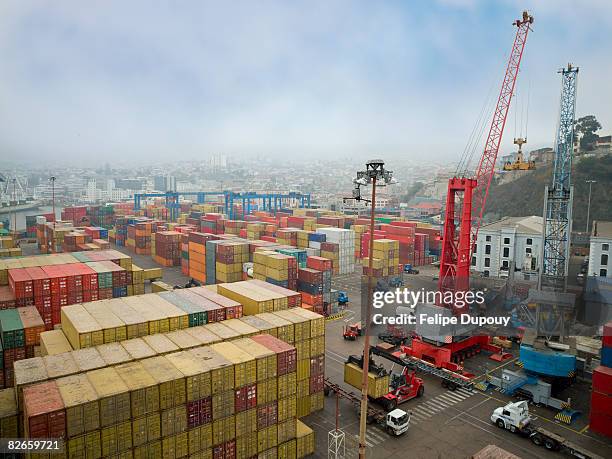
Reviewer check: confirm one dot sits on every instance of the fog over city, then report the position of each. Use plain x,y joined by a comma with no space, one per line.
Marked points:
146,81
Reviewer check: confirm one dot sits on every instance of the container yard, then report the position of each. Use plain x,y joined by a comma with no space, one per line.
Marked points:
198,261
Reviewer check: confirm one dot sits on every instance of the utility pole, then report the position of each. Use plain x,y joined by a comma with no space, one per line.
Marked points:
590,182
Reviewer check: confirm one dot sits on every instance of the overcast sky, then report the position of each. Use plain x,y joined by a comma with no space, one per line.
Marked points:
183,79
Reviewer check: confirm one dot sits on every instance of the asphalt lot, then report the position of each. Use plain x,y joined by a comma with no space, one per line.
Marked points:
444,424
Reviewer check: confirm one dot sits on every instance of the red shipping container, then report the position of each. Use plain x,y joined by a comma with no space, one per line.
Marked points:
40,281
312,276
601,424
7,298
607,335
33,325
245,397
286,354
199,412
44,413
317,365
319,263
601,403
317,383
602,380
267,415
21,283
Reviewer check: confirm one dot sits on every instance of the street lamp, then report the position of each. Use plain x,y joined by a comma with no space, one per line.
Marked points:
590,182
374,174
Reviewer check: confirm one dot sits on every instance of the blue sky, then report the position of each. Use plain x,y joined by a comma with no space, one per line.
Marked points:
153,79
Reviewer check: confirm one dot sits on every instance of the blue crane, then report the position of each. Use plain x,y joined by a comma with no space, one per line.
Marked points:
558,198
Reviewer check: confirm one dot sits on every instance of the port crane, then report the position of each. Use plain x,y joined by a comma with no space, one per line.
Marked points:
464,216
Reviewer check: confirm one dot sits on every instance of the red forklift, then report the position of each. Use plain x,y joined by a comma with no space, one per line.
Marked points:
352,331
404,386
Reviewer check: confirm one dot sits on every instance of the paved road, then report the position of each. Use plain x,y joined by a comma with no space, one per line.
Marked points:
444,424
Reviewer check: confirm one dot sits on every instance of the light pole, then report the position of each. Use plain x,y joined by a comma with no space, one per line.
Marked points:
374,174
590,182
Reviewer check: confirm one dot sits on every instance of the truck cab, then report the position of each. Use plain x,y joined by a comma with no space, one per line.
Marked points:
514,416
397,422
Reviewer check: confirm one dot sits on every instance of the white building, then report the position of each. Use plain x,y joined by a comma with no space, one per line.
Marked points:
599,254
511,239
92,190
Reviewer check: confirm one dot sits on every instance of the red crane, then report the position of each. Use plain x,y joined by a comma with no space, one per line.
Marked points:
463,217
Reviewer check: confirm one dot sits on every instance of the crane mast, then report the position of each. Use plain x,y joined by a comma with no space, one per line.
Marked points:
460,227
558,197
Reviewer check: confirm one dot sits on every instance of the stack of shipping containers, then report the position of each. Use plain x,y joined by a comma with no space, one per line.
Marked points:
166,249
601,396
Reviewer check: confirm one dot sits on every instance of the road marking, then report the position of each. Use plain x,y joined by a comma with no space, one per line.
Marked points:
377,436
444,404
429,409
451,399
585,428
464,391
420,416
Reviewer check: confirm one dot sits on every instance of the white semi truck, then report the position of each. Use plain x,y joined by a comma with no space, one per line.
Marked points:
515,418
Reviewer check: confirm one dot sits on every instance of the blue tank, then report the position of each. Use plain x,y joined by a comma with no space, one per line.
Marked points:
548,362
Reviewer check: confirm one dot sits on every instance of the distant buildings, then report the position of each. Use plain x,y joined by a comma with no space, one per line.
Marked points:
599,254
542,155
511,239
164,183
424,209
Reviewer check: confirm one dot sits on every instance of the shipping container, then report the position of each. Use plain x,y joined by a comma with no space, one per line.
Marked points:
113,395
81,404
378,386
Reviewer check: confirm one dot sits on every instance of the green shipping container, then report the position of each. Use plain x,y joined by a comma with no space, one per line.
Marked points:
11,329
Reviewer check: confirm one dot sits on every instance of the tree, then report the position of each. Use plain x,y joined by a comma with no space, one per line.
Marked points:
586,127
412,191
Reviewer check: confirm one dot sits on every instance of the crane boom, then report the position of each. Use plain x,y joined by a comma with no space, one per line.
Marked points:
461,225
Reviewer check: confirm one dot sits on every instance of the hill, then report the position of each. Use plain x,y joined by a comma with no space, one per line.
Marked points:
525,195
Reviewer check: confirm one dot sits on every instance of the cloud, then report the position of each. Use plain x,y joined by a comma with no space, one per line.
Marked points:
154,79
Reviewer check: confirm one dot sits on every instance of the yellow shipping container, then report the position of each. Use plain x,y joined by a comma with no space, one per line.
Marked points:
8,414
223,404
303,369
81,329
114,354
287,385
160,344
301,324
267,391
136,324
317,321
144,392
377,385
246,422
183,339
241,327
245,368
170,380
316,401
246,446
203,335
113,395
223,332
303,406
177,318
286,430
146,429
175,446
60,365
303,349
317,346
81,403
137,348
116,438
173,421
287,450
305,440
200,439
114,328
287,408
196,372
265,359
253,301
221,369
260,324
53,342
303,388
156,321
152,450
87,445
267,438
224,430
284,328
88,358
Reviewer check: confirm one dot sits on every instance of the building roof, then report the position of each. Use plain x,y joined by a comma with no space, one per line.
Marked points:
428,205
529,225
602,229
